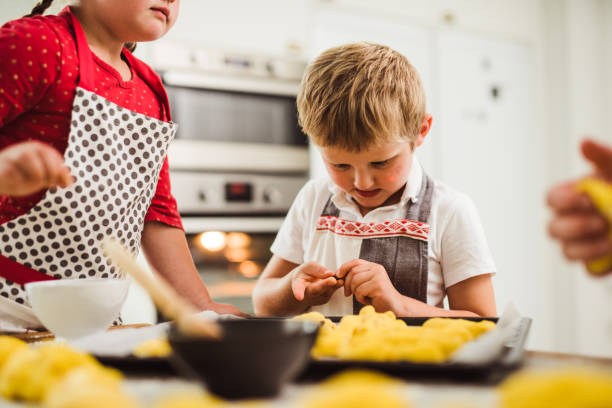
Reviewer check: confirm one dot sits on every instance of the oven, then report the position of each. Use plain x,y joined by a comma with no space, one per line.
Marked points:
237,163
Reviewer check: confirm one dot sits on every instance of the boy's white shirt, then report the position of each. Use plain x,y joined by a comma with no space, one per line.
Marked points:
457,246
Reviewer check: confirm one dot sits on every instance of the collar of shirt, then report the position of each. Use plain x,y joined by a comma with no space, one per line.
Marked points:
344,201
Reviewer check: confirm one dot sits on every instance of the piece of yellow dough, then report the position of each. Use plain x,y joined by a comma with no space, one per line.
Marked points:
8,346
89,386
559,388
355,389
600,193
29,373
382,337
153,348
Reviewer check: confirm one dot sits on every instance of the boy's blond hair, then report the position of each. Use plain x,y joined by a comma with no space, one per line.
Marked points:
357,95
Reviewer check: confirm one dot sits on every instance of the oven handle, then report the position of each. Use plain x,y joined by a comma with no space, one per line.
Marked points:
194,225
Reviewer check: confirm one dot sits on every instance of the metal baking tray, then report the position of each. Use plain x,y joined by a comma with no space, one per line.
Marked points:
491,372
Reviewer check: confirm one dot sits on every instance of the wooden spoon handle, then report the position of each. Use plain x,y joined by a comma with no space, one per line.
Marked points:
170,303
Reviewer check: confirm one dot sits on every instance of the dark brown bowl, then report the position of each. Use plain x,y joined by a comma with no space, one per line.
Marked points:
253,359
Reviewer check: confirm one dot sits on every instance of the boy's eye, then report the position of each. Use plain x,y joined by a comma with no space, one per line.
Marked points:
341,166
380,163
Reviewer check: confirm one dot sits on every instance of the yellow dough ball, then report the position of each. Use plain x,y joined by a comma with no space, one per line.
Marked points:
367,310
153,348
316,317
561,388
382,337
600,193
89,386
15,378
29,373
58,359
9,345
355,389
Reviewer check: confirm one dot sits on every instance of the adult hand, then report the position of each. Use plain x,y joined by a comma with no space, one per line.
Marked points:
28,167
370,284
313,283
582,231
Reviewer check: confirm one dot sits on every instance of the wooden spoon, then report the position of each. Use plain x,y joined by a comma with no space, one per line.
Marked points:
170,303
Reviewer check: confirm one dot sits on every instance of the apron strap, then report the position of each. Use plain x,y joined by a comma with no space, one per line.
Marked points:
405,259
18,273
330,209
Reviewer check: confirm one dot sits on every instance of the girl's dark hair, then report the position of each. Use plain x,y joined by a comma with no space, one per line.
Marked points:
131,46
45,4
39,8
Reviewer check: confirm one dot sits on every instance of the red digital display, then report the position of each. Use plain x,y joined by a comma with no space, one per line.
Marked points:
237,191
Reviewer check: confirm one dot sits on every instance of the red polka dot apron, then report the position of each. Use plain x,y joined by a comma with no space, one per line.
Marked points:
115,156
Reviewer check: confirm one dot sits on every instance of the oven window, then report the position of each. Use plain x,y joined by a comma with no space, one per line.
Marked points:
211,115
229,263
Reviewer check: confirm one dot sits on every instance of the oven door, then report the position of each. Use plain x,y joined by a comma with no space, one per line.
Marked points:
230,253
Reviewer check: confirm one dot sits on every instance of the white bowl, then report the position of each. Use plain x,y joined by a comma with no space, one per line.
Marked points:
74,308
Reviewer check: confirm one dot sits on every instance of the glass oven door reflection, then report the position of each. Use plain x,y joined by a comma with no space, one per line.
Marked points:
229,263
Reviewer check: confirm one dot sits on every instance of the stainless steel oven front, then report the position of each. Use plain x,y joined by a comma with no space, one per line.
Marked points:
237,163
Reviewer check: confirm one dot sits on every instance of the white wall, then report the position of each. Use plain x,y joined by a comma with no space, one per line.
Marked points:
589,78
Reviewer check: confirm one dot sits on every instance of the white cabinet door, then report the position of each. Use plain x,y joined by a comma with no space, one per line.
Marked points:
489,150
330,28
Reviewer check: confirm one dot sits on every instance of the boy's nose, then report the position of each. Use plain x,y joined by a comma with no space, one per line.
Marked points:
363,181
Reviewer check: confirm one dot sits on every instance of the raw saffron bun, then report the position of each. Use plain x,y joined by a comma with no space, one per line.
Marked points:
153,348
52,361
91,386
600,193
356,388
559,388
8,346
383,337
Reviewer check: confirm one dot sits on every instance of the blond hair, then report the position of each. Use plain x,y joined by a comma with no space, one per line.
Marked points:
357,95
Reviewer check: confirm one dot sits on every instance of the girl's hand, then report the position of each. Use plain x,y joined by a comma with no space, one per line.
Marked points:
225,308
28,167
313,283
370,284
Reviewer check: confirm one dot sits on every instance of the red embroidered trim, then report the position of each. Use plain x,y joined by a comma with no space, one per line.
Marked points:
339,226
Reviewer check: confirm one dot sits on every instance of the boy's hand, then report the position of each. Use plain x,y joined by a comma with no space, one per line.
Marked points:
28,167
580,228
370,284
313,283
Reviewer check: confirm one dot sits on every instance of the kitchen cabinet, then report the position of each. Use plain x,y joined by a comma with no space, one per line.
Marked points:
487,147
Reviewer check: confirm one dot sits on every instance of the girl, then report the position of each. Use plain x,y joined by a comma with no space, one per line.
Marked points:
84,130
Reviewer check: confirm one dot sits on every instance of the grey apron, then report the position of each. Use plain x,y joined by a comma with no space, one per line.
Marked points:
404,258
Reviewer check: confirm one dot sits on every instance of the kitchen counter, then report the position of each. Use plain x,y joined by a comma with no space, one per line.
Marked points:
423,394
150,386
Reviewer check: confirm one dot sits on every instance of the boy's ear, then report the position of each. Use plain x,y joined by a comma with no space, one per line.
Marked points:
424,129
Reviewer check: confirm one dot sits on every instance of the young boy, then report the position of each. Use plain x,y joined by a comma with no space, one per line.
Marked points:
381,232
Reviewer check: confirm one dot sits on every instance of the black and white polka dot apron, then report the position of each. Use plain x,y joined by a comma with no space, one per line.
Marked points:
115,156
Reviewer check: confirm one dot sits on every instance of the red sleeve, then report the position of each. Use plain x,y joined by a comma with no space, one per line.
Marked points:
30,55
163,206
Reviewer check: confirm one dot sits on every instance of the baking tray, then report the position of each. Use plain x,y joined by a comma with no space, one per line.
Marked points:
492,372
135,366
510,359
